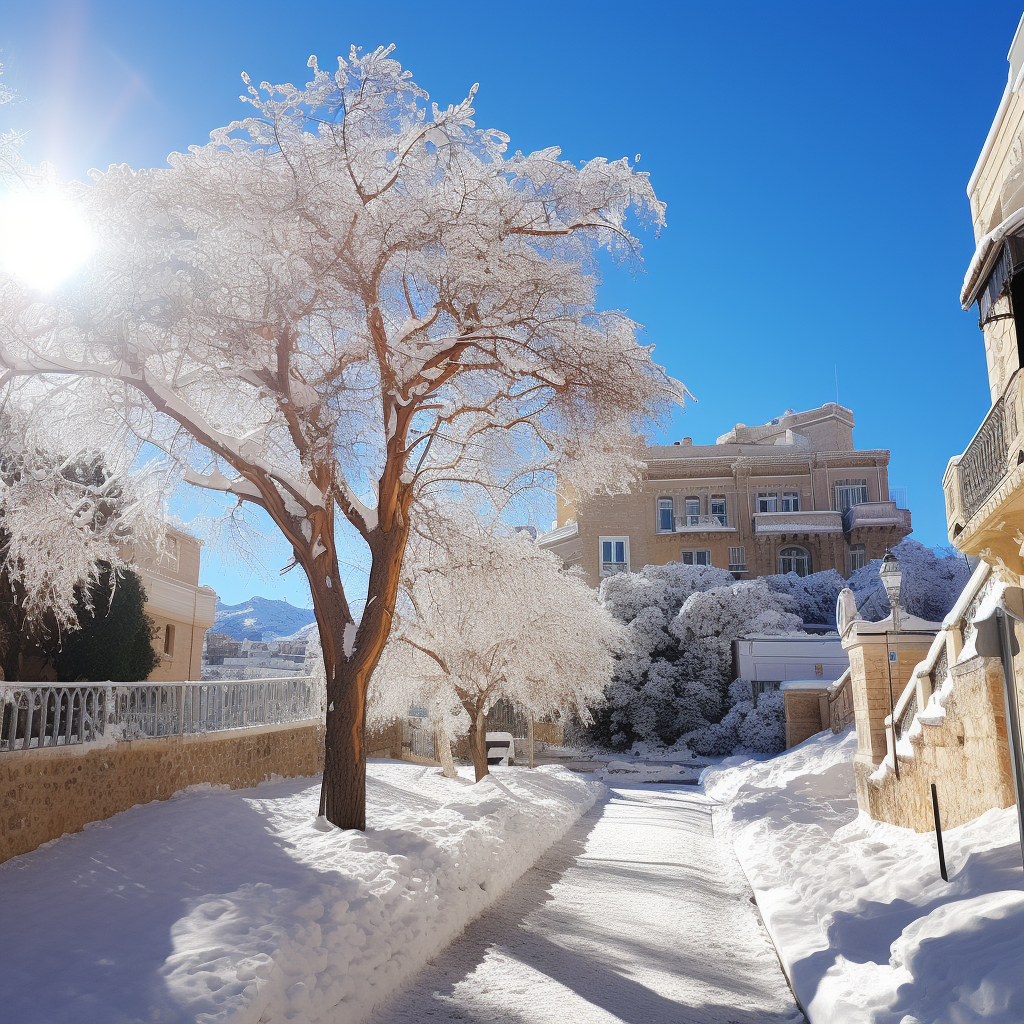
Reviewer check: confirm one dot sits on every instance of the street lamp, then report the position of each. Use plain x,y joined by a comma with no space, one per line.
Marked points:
892,580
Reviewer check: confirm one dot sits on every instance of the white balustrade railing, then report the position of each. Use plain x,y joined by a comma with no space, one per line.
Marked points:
49,715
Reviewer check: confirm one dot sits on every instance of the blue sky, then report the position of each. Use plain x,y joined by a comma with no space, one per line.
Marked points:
813,157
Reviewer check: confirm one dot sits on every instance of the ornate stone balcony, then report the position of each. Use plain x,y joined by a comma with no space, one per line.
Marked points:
876,513
797,522
703,524
984,487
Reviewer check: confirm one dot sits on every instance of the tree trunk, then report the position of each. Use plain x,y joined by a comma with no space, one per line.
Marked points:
478,743
343,791
443,750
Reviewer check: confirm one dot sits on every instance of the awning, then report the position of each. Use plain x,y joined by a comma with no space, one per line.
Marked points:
986,257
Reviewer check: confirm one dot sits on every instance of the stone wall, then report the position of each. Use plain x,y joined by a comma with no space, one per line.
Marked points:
967,757
45,793
806,713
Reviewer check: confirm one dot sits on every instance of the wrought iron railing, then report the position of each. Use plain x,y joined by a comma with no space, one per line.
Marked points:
58,715
984,463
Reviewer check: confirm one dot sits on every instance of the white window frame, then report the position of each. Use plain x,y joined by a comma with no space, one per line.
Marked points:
849,493
767,501
613,566
790,501
738,559
806,554
855,551
723,516
670,505
692,518
694,554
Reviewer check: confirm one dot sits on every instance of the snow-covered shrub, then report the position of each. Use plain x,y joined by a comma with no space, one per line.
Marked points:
931,583
811,597
674,678
763,728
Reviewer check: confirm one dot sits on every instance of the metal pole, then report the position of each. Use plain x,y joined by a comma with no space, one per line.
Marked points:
892,710
529,739
1012,716
938,835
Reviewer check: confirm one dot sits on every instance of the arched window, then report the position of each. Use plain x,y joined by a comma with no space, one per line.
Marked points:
794,560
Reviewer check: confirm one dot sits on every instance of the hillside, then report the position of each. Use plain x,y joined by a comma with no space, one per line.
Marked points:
260,619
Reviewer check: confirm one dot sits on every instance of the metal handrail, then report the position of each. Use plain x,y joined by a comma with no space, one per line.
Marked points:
54,714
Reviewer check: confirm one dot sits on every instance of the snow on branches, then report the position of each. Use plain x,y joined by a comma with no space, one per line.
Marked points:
63,513
487,618
352,302
681,621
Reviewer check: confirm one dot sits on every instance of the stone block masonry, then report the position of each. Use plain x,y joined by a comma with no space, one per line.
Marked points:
45,793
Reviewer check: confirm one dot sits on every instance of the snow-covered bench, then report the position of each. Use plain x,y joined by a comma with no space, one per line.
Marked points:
501,748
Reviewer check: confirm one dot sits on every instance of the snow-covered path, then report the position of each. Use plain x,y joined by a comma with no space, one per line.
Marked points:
634,917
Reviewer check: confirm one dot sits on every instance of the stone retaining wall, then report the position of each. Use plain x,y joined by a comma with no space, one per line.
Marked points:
967,757
45,793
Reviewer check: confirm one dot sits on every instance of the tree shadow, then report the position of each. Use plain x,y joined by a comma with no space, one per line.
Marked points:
447,991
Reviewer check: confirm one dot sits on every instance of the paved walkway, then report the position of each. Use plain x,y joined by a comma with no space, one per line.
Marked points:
635,918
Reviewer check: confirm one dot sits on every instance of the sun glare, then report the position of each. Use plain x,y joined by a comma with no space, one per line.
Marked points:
43,239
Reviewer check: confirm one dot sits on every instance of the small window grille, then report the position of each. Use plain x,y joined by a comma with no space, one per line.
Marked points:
858,557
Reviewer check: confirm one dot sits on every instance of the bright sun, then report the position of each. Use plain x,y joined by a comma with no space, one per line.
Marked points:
43,239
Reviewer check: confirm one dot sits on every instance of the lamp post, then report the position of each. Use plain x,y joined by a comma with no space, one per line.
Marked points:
892,580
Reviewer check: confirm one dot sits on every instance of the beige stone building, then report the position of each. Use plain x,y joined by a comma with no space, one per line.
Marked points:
790,495
954,713
182,610
984,486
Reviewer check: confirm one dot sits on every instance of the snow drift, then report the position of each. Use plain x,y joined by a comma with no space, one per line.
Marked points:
231,906
864,925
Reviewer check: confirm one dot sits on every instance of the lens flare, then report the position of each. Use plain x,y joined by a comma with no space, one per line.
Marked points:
43,238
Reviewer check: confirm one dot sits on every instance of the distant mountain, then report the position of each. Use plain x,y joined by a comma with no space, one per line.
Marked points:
260,619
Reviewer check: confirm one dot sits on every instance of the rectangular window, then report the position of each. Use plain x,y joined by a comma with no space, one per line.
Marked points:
718,511
790,501
768,501
700,556
850,493
169,640
666,515
614,555
693,511
737,559
858,557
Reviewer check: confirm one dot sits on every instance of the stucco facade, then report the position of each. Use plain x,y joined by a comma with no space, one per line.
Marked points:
984,487
182,610
789,495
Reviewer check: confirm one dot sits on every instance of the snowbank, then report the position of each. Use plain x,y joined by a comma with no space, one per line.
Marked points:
221,906
865,926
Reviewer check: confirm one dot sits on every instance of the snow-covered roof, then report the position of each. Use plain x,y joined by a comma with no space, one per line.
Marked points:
806,684
985,257
561,533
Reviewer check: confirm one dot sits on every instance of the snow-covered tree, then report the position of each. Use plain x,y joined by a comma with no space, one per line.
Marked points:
344,303
681,621
67,518
487,618
931,582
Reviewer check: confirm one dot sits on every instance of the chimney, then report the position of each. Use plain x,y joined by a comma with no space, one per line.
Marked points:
687,441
